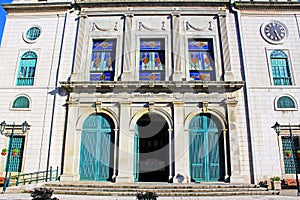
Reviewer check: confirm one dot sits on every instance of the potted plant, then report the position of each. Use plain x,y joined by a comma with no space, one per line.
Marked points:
276,183
4,151
15,152
288,153
298,153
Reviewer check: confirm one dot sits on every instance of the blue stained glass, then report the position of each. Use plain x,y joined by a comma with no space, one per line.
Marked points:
200,61
103,46
105,76
147,76
200,76
198,45
150,45
150,61
101,61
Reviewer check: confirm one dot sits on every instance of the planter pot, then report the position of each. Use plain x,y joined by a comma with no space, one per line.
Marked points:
14,154
3,153
276,185
288,154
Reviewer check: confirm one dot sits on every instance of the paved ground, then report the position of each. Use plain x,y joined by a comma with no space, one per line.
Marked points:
284,195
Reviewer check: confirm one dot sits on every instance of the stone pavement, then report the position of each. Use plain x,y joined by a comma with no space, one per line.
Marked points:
284,195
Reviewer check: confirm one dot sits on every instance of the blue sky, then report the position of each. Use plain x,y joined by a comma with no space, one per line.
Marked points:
2,17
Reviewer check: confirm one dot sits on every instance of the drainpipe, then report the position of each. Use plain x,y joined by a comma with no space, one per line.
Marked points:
246,91
56,90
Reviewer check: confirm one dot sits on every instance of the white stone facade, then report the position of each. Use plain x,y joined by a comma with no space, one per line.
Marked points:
62,97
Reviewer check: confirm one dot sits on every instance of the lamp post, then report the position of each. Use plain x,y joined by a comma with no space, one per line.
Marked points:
277,127
2,128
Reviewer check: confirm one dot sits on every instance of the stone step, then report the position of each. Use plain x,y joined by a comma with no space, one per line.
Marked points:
161,189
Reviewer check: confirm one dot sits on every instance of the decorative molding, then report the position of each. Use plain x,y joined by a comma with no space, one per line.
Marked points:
188,26
96,27
98,107
143,26
205,106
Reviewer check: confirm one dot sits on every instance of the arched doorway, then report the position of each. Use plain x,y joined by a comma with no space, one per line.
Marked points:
151,149
96,150
207,158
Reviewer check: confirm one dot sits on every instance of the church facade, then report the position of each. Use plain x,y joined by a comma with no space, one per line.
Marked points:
151,91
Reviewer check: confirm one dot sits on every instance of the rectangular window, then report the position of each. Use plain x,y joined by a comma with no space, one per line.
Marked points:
15,164
103,60
281,74
201,60
290,148
152,60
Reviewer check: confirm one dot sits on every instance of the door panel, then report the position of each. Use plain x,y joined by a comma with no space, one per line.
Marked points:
95,150
204,149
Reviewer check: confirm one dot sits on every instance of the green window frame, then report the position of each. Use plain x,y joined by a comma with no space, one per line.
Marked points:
33,33
286,102
27,69
280,68
21,102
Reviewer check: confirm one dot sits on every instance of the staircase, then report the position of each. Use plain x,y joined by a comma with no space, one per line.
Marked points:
161,189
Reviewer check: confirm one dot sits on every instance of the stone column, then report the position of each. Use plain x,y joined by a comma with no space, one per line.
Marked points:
181,145
170,154
128,38
126,140
225,154
71,158
115,154
235,143
225,48
177,54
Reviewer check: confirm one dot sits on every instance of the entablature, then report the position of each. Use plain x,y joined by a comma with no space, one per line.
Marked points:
152,86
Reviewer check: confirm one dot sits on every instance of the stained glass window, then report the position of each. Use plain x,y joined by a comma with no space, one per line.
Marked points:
285,102
280,68
103,60
27,68
152,60
201,61
21,102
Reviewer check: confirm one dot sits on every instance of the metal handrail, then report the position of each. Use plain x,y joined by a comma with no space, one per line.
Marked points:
34,177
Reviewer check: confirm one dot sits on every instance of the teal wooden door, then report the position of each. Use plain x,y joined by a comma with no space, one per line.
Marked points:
136,155
95,152
204,149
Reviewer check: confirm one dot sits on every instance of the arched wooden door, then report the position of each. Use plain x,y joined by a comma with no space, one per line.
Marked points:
96,149
206,149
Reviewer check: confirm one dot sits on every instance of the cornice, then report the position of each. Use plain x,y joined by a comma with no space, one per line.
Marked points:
153,86
275,6
36,7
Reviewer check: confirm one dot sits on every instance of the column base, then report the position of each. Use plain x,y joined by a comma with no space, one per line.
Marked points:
127,76
238,179
69,177
177,76
124,179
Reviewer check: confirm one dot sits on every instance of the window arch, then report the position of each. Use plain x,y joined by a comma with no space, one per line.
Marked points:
280,68
27,68
285,102
21,102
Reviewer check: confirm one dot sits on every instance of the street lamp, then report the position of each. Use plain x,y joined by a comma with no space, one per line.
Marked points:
2,129
277,127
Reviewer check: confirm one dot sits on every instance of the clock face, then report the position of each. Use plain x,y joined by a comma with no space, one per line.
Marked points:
274,32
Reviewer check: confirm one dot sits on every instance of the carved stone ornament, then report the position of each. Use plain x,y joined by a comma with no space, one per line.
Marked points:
98,107
205,107
143,26
189,26
96,27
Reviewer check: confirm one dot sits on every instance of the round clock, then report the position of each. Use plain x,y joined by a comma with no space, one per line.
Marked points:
274,32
